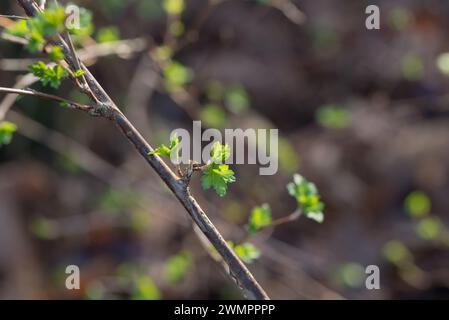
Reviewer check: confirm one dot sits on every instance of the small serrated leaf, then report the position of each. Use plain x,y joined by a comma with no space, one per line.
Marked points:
307,198
217,177
78,73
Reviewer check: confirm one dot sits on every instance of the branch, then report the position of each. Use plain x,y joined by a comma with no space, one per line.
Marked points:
11,38
290,218
109,110
13,17
124,49
9,100
34,93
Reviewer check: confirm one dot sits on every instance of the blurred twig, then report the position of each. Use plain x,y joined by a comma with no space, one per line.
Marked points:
34,93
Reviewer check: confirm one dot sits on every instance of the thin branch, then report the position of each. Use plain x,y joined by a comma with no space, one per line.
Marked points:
295,215
124,49
15,39
83,83
290,218
14,17
42,4
34,93
9,100
238,271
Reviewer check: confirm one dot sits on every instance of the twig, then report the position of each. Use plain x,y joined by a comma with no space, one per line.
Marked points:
238,271
13,17
42,4
290,218
30,92
295,215
15,39
89,54
9,100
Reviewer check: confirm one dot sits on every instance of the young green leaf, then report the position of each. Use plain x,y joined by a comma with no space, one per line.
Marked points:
18,29
307,198
260,218
7,130
49,76
217,176
165,151
85,26
49,22
78,73
220,153
35,41
55,54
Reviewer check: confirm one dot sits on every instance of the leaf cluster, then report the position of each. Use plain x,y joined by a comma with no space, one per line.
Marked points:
307,197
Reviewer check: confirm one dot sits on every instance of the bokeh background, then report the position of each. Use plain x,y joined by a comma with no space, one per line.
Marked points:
363,114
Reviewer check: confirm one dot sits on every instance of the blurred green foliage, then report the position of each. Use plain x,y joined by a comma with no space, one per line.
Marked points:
118,201
176,76
417,204
108,34
145,289
213,116
149,9
7,130
399,18
176,28
429,228
177,266
237,99
349,275
288,158
442,63
246,251
333,117
326,41
173,7
215,91
412,67
43,228
94,290
260,218
396,253
114,7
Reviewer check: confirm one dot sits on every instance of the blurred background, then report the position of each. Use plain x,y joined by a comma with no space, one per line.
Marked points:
362,113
